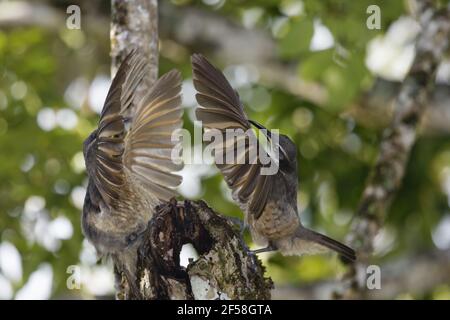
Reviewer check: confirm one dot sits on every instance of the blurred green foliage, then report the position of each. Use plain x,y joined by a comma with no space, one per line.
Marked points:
335,152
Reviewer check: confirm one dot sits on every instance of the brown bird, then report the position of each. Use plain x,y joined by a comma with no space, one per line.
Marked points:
269,202
128,159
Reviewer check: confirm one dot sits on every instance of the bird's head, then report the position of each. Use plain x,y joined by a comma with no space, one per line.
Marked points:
287,150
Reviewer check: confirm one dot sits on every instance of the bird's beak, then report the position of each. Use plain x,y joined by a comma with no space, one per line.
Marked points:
267,132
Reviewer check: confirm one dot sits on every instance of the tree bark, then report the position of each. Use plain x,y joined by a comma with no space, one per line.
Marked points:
226,269
134,24
398,140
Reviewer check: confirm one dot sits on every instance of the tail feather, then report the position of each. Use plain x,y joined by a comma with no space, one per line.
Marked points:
343,250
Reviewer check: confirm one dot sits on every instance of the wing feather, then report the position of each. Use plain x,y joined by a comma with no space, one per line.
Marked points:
220,108
149,144
145,148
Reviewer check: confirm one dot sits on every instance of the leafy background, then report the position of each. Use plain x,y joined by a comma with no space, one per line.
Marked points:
53,81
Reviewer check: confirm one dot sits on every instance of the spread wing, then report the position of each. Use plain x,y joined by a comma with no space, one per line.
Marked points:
220,108
149,145
142,144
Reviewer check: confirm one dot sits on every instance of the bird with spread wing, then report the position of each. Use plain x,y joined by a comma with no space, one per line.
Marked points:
269,201
128,157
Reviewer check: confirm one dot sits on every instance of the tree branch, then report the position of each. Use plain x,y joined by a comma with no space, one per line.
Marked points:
372,109
134,24
426,271
398,139
224,270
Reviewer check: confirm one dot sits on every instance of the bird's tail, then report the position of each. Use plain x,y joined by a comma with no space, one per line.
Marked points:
309,241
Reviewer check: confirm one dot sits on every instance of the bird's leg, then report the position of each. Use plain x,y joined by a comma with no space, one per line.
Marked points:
242,228
269,248
241,224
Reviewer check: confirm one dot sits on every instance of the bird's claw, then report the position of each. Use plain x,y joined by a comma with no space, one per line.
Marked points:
269,248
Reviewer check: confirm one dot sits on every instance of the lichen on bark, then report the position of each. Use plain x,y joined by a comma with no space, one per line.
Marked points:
225,269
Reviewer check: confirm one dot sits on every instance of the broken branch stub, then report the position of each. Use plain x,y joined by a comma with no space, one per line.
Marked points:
225,268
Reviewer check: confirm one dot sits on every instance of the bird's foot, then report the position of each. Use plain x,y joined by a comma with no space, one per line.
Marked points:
269,248
242,228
